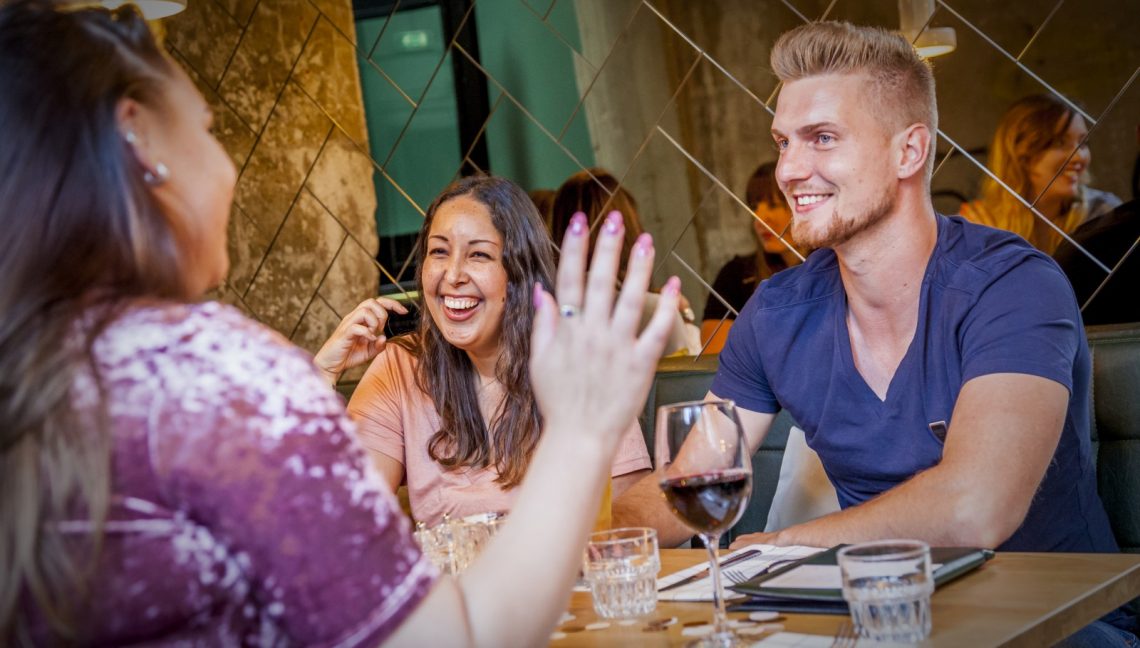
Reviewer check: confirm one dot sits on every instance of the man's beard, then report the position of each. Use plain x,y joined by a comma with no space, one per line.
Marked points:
839,229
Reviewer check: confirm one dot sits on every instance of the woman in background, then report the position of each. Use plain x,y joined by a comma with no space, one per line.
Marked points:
1039,151
596,194
174,472
450,409
543,200
739,278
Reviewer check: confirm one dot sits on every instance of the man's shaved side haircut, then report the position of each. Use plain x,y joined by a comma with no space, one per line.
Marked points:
902,82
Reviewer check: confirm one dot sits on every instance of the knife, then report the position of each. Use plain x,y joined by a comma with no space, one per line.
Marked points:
741,557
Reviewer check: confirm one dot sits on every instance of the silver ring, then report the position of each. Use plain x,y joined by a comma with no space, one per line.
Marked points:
566,310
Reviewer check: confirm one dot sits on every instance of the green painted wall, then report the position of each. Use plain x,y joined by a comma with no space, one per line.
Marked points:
534,63
427,155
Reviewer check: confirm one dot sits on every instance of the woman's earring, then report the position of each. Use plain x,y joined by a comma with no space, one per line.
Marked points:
155,178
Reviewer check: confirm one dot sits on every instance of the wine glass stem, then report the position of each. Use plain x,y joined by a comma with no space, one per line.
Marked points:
720,621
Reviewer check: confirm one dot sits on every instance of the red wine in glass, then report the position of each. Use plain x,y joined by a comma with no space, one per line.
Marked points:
710,503
704,468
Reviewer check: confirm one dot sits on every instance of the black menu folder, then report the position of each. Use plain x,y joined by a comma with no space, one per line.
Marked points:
953,562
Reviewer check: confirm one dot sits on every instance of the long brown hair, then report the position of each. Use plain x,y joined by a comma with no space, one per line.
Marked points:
1029,127
84,236
445,372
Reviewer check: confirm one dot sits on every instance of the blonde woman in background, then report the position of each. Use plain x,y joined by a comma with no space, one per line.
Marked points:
1039,151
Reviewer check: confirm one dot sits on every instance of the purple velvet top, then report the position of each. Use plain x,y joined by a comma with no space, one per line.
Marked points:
244,511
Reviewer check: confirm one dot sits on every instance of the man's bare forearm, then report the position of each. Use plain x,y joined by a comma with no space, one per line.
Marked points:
644,505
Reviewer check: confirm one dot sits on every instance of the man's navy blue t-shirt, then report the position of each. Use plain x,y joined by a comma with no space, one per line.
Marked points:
990,303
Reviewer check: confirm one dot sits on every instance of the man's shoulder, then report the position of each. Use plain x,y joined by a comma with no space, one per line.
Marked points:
970,257
817,278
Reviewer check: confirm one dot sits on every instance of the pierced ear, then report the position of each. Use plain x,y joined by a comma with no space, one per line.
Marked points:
128,115
133,124
915,150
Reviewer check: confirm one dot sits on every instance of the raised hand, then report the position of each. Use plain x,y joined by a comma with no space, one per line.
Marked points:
358,337
586,355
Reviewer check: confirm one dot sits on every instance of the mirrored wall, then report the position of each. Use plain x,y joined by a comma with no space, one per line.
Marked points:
345,123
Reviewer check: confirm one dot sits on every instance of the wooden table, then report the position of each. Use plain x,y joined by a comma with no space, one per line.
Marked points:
1016,599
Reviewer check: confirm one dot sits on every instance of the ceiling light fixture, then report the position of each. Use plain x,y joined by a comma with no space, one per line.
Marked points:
929,42
151,9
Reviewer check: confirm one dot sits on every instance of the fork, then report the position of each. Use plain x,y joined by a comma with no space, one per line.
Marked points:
738,577
845,636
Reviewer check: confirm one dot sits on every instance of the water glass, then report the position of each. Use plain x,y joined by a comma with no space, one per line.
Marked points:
887,585
621,568
453,544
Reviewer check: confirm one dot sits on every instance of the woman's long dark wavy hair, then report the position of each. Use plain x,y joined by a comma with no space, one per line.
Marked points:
446,374
83,237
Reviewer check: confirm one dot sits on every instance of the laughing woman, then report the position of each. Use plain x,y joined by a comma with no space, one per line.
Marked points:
450,409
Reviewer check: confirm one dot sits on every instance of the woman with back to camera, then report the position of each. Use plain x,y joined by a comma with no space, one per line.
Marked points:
174,472
1039,151
450,410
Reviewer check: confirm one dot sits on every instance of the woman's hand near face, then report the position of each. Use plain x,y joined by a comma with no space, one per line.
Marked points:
357,339
592,362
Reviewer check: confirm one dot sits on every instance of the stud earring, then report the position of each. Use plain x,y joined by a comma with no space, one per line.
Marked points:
155,178
130,137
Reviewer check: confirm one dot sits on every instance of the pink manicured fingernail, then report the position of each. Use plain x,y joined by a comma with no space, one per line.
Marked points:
613,223
672,287
536,297
644,244
578,223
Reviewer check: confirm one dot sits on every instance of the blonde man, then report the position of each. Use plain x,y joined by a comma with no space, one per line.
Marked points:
938,367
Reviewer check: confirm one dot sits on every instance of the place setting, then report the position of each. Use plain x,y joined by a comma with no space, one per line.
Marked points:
702,468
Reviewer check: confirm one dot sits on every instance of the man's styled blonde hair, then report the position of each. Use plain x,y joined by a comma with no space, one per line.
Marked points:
902,84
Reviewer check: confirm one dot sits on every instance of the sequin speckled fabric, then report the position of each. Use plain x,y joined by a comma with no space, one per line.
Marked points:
244,511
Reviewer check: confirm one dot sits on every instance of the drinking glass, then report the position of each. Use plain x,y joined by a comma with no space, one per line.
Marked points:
888,585
621,567
453,544
705,471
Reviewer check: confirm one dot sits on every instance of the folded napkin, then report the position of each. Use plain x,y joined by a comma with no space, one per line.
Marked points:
797,640
701,590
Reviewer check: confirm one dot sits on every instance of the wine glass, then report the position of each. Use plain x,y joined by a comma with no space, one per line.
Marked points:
705,471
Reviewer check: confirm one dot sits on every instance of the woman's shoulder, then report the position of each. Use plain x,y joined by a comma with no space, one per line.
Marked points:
976,211
208,349
207,329
400,355
1099,203
392,372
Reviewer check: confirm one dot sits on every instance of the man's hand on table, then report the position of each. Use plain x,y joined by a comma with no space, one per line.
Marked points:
757,538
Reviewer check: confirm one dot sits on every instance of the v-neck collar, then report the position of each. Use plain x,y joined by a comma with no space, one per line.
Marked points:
918,340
